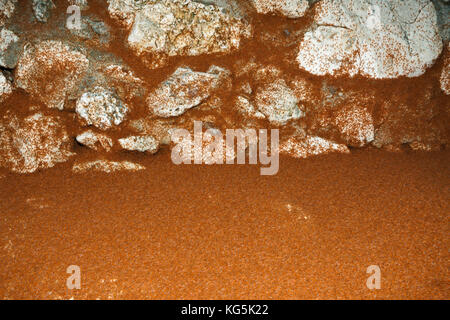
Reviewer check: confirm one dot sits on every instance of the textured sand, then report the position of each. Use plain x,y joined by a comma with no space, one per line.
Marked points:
225,232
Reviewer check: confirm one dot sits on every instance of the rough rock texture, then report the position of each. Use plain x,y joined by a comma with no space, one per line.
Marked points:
95,141
33,143
288,8
445,75
42,9
7,8
140,143
50,71
184,90
125,10
311,146
101,108
183,27
5,87
106,166
278,102
356,126
377,39
9,49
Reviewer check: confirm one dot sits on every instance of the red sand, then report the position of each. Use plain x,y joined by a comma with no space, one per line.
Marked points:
225,232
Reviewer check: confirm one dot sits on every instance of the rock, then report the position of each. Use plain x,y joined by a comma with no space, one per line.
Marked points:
376,39
355,125
50,71
37,142
443,18
9,49
278,102
91,29
106,166
287,8
184,90
126,83
7,8
101,108
140,143
247,108
124,11
445,75
42,9
310,146
5,87
95,141
185,28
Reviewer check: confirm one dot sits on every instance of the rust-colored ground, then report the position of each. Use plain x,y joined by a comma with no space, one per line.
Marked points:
226,232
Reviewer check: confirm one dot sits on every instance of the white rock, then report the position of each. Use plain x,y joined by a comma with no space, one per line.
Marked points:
9,49
445,75
311,146
246,108
278,102
184,90
7,8
140,143
5,87
288,8
42,9
95,141
101,108
125,10
50,72
106,166
377,39
36,142
185,27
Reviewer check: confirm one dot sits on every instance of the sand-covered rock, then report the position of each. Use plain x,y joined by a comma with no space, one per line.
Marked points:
7,8
5,87
101,108
278,102
287,8
376,39
36,142
182,28
185,89
145,143
42,9
50,71
9,49
106,166
356,125
94,140
304,147
445,75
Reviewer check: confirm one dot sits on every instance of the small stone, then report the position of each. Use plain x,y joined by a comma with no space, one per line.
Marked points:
101,108
311,146
140,143
42,9
95,141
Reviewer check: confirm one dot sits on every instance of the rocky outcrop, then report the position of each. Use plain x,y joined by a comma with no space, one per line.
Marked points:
50,71
101,108
183,90
377,39
36,142
287,8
